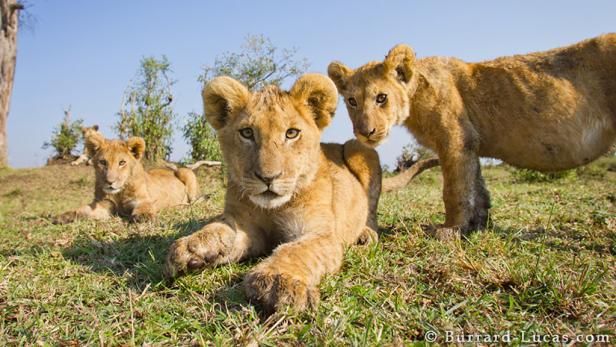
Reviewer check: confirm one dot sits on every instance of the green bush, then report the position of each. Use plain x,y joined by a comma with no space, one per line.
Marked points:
65,137
146,110
257,63
411,154
202,138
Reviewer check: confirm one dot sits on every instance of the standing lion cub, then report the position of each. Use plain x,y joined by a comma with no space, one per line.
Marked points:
125,188
546,111
289,196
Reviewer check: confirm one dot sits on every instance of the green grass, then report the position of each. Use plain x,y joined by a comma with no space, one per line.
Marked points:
546,266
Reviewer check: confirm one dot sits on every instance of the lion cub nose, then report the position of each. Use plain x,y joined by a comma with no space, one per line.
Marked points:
367,133
267,179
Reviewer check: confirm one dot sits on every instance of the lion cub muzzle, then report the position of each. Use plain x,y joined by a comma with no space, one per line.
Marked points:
272,190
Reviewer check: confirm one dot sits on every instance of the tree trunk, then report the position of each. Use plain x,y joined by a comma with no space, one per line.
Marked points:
9,17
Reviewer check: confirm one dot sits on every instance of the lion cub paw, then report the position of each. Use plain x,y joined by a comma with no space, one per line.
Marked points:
141,217
64,218
206,247
275,291
368,236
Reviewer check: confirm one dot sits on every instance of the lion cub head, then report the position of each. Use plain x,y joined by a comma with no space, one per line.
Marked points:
376,94
270,139
90,131
114,161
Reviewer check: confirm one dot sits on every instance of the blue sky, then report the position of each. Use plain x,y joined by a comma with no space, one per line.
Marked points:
84,53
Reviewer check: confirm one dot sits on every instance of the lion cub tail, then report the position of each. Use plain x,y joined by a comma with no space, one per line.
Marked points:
188,177
402,179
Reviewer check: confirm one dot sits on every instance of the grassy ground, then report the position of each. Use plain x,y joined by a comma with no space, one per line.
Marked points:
547,266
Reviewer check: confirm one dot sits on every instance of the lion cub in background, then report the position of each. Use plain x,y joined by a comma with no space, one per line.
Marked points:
125,188
289,196
546,111
86,156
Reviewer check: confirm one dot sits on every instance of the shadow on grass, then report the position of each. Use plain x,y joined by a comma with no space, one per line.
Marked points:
139,258
560,240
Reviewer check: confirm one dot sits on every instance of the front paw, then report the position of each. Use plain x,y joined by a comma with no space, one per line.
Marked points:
367,237
207,247
274,291
64,218
141,217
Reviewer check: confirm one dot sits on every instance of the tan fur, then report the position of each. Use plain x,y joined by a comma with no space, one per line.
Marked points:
321,198
547,111
123,187
88,133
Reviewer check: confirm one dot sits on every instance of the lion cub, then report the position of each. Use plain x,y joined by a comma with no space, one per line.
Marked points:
86,156
289,196
123,186
547,111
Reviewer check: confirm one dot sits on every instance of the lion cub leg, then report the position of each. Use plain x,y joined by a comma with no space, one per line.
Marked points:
143,212
365,165
216,243
100,210
187,176
80,160
467,201
291,275
481,213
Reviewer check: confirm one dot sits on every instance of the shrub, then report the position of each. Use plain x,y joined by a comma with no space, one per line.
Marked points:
65,137
411,154
202,138
146,110
258,63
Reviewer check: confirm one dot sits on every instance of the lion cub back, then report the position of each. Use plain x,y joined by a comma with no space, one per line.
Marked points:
172,187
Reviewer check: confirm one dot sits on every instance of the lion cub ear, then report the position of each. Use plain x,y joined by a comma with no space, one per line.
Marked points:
94,142
339,73
223,97
136,146
319,94
400,61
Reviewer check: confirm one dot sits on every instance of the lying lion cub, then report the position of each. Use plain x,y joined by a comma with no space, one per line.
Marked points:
86,156
123,186
287,193
546,111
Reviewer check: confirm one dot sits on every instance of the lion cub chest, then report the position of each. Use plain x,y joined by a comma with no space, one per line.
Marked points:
289,224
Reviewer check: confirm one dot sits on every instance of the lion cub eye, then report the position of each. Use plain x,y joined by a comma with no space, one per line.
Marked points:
352,102
122,162
381,98
102,162
292,133
247,133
